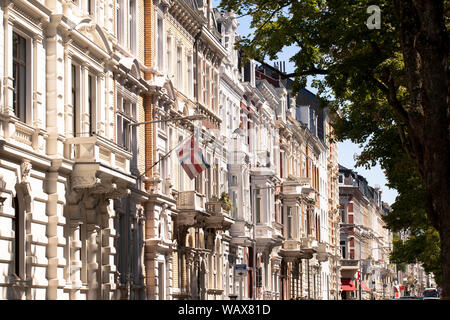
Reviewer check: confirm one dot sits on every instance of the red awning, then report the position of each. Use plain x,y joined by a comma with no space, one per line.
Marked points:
364,286
347,284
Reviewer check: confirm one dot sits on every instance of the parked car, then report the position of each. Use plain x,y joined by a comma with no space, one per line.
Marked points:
431,293
409,298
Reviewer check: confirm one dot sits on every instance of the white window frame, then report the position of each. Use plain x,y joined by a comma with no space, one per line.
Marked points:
29,70
132,26
123,100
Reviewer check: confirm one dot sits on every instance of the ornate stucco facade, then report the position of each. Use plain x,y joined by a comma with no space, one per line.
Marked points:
71,81
93,201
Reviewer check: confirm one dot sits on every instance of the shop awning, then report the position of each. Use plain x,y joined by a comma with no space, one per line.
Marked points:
347,284
364,286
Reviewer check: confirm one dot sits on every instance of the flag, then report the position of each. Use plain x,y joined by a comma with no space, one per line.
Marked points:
191,158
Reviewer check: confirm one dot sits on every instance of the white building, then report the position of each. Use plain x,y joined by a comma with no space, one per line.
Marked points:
68,80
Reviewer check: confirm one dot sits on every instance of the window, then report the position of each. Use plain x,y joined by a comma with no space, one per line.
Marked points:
179,69
189,75
258,205
208,181
258,277
160,40
92,96
343,251
341,178
204,86
234,204
75,99
120,14
19,239
181,173
289,232
169,55
91,7
216,179
132,27
126,114
20,77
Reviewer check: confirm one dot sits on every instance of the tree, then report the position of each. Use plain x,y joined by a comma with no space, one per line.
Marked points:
397,74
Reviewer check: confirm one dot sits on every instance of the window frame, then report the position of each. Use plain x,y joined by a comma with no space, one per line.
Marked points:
122,99
26,117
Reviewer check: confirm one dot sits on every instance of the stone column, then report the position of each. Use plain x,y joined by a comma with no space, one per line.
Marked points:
52,235
75,261
92,231
108,251
169,277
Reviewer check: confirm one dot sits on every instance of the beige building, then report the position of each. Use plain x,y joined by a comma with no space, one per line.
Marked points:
365,244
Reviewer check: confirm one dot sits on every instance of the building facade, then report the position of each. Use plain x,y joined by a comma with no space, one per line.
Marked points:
365,244
98,98
72,80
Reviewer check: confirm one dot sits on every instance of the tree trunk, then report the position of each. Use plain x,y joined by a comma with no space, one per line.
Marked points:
424,41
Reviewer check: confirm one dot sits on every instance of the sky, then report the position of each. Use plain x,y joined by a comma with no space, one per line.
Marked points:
346,150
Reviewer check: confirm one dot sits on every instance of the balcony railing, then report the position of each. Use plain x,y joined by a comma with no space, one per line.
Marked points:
190,200
349,263
219,216
98,149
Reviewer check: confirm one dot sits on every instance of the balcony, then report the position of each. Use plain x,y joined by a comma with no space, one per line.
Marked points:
349,264
100,166
191,206
266,237
322,253
309,246
98,149
295,185
291,250
219,217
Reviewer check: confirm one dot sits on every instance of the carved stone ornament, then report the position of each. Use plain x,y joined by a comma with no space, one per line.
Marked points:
84,182
25,170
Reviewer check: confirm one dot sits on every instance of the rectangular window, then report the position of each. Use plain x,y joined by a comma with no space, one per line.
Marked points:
160,40
92,85
179,69
126,114
19,239
289,222
75,99
20,76
132,27
258,205
343,251
208,181
216,179
234,202
120,14
258,277
189,76
204,86
91,7
169,55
